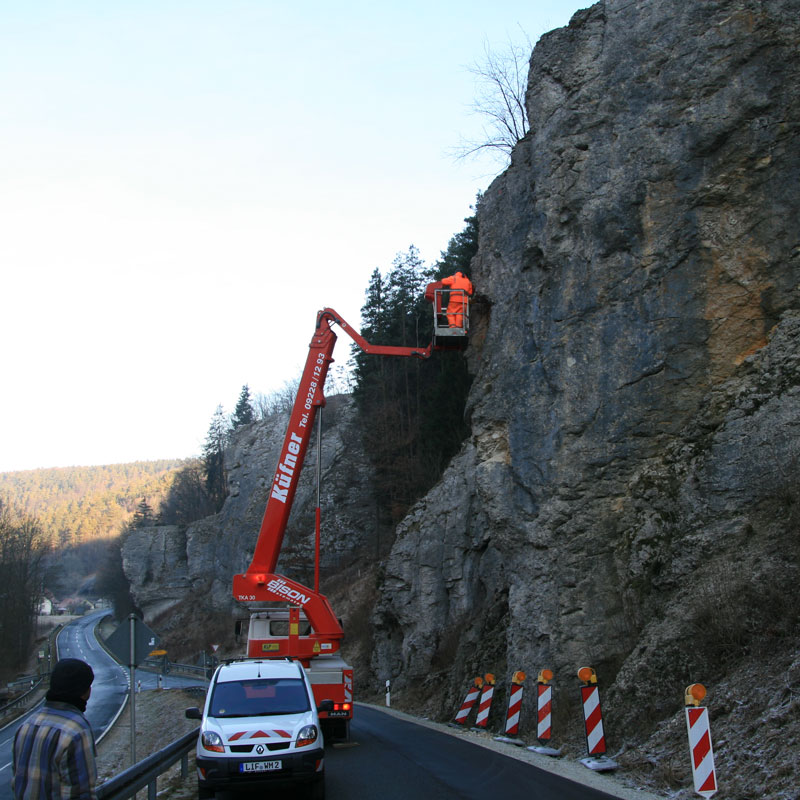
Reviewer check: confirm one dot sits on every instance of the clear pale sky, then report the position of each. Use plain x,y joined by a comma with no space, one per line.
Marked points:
184,184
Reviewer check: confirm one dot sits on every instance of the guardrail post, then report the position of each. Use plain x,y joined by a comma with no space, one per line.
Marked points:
185,765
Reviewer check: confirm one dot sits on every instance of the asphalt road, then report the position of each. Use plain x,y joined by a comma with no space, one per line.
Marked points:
397,759
388,757
394,759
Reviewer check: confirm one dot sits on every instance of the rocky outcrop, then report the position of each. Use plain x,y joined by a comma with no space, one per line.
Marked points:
176,573
635,410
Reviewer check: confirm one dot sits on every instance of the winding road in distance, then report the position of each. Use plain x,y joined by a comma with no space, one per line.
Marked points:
109,690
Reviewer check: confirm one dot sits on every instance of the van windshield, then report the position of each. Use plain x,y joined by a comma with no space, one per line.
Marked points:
259,697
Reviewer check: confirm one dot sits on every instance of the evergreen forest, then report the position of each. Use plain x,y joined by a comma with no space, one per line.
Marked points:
75,505
412,411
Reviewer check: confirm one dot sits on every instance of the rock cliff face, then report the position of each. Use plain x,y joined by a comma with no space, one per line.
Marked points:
181,578
628,498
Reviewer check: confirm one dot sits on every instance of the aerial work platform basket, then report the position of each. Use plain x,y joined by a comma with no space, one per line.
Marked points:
450,313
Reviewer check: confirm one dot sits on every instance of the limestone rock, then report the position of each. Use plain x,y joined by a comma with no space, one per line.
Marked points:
635,409
168,566
628,496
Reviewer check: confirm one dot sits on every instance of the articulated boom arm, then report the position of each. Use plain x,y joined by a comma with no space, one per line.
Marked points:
260,583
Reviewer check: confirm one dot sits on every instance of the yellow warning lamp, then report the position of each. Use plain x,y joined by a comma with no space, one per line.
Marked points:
518,677
545,676
489,678
587,675
479,681
694,694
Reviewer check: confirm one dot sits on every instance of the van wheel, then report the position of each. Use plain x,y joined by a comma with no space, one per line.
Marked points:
204,793
317,790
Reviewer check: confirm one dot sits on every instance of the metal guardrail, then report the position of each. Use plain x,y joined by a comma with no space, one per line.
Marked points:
147,771
173,666
35,681
192,668
23,699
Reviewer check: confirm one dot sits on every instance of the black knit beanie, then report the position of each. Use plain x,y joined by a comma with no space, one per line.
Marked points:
69,680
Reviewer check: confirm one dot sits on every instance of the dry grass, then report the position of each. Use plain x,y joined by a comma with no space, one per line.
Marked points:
160,720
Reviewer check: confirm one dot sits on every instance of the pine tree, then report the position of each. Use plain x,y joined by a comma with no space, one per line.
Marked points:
373,312
412,411
406,285
442,426
214,458
387,389
143,516
460,249
243,413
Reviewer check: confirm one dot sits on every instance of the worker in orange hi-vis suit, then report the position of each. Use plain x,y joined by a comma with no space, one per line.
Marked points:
457,303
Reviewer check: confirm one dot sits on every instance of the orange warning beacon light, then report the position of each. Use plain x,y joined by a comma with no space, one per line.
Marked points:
545,676
587,675
695,694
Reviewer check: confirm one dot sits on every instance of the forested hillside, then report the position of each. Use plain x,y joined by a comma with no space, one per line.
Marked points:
58,529
75,505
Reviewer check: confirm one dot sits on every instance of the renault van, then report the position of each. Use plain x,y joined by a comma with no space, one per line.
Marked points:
260,728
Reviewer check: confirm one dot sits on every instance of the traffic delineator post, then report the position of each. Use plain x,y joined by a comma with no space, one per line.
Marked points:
514,703
485,702
544,708
469,701
593,721
513,713
544,705
700,747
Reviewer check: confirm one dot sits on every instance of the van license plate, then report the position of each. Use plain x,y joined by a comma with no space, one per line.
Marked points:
259,766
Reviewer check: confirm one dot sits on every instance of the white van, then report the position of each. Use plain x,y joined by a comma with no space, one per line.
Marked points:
260,728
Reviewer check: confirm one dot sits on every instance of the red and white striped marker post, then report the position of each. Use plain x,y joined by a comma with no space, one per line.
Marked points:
514,703
544,708
592,713
593,719
513,713
700,748
469,701
485,703
544,705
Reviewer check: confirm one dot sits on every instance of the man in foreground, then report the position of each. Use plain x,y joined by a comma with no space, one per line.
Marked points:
54,752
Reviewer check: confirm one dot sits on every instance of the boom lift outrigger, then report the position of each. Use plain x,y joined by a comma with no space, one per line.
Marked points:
308,629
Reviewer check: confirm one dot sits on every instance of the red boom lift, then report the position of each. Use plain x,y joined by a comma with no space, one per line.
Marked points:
304,626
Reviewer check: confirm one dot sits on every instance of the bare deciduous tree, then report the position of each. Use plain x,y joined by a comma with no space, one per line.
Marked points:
502,80
277,402
22,547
